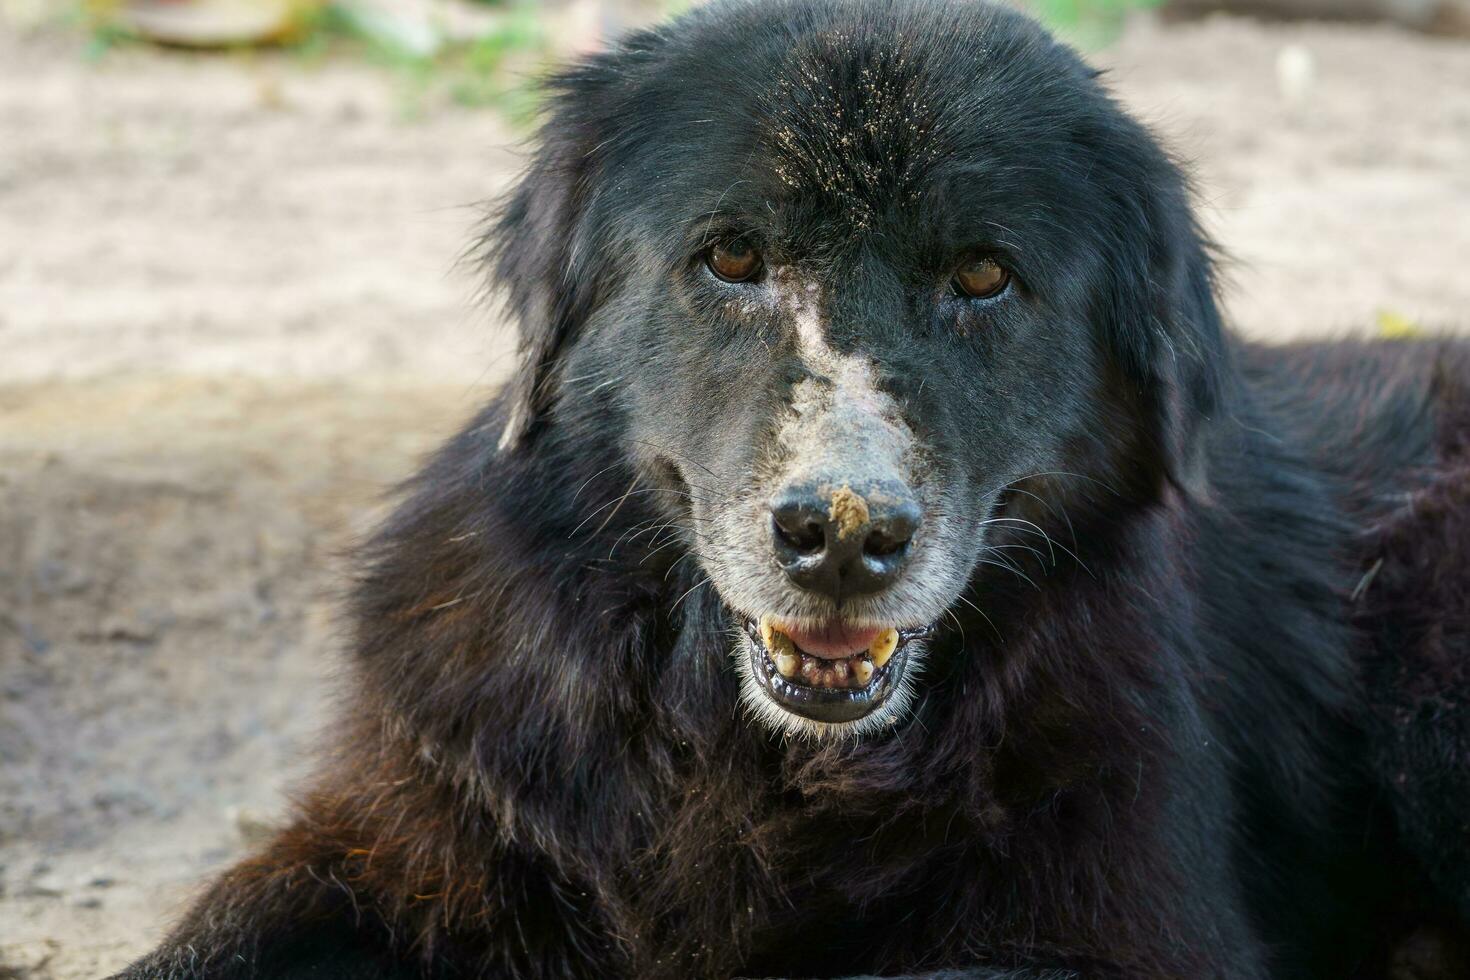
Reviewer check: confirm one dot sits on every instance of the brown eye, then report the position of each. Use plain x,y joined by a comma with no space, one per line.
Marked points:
734,261
981,279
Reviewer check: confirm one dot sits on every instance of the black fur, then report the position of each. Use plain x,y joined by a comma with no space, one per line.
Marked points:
1202,710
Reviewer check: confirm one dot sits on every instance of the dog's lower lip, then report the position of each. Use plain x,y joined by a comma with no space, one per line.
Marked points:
852,697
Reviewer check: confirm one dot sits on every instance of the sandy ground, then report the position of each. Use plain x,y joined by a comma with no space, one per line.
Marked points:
230,317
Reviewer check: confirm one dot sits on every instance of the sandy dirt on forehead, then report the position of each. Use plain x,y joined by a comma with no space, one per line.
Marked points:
229,319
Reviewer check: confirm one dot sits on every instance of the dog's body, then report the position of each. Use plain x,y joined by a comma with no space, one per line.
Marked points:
1108,648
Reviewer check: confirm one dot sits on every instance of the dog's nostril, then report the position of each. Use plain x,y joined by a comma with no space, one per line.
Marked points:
892,532
880,545
797,527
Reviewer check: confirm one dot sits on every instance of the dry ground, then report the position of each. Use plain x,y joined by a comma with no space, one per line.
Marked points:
230,317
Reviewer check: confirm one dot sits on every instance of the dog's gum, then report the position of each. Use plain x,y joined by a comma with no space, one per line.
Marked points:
882,647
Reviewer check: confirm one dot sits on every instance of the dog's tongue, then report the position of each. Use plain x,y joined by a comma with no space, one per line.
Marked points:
834,641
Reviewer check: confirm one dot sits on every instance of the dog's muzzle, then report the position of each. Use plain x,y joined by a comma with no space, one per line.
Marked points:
833,674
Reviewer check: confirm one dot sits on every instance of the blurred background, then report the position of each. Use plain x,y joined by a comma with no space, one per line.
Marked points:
232,315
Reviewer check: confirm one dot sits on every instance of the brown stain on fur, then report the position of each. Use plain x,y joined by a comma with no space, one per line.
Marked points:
849,511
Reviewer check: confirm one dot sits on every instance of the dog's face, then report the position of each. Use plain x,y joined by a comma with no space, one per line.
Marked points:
843,278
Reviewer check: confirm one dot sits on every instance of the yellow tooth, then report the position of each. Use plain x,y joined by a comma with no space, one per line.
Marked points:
811,671
883,646
775,641
839,673
786,662
862,671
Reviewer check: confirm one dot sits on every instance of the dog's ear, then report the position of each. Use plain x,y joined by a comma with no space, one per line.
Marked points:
1192,367
542,248
1167,323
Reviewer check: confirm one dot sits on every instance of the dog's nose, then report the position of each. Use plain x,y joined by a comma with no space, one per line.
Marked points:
842,542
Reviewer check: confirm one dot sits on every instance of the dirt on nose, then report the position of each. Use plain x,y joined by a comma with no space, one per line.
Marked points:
849,511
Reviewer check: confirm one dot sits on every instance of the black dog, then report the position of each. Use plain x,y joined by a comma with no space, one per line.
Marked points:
884,563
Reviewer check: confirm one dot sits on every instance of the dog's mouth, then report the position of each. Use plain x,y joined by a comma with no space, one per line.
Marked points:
835,673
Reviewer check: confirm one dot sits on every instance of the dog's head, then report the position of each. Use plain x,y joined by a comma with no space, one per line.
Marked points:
863,289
